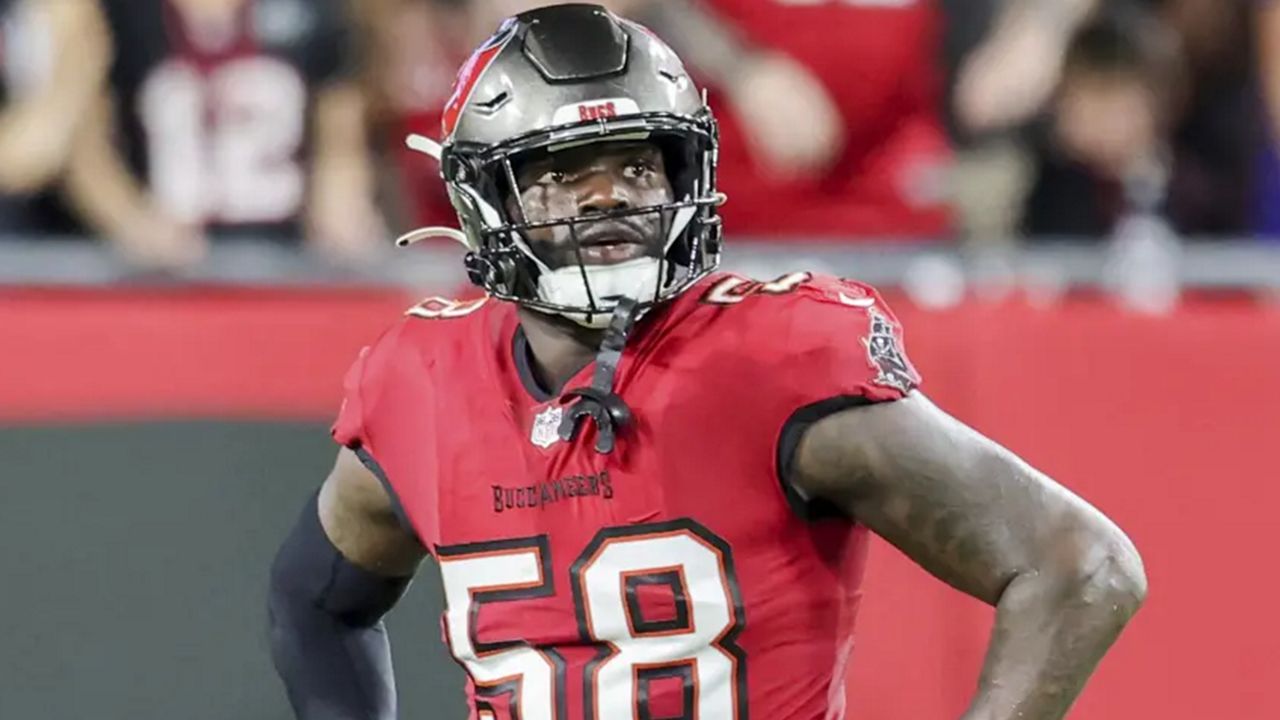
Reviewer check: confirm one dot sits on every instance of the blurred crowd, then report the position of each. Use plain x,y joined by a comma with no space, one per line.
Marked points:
163,126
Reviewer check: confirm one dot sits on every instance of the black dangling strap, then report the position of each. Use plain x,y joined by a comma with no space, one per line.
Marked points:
598,401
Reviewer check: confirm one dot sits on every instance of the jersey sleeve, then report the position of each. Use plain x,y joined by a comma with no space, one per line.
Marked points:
349,428
840,339
366,425
798,349
363,422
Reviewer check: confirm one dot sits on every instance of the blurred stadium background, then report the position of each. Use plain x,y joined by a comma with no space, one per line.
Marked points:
1073,208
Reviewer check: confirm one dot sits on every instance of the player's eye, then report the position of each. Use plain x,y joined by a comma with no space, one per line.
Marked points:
555,177
638,167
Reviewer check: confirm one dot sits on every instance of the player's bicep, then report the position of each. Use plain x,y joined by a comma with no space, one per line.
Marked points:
360,518
966,509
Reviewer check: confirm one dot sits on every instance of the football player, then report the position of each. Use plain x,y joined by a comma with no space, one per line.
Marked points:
648,486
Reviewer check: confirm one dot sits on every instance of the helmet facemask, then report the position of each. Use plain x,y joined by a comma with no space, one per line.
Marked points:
506,261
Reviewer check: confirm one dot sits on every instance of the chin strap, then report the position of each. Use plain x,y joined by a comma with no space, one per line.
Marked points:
598,401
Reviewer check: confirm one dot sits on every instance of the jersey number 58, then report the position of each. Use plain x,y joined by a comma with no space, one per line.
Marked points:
695,647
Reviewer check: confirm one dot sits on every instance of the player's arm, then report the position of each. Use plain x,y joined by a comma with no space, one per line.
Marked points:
1064,579
344,565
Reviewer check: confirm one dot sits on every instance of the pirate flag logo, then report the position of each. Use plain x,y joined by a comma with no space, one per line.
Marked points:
883,352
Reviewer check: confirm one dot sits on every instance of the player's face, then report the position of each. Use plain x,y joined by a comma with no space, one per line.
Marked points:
592,180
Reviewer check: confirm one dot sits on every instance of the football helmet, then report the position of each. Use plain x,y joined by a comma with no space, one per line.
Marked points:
560,77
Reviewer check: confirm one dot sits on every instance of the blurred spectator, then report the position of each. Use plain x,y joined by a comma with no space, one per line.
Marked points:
415,50
829,111
228,117
1107,144
1218,127
1266,200
832,109
1154,114
52,63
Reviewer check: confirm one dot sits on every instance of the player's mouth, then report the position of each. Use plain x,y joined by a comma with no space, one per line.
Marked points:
613,246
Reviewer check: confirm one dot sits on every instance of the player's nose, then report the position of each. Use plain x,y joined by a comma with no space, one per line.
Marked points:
601,192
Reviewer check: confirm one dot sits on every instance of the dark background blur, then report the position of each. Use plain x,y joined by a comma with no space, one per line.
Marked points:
136,566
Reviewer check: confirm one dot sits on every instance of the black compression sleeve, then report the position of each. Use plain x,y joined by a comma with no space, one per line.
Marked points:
327,637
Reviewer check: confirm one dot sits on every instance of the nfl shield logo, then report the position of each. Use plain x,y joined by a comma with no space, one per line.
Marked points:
546,427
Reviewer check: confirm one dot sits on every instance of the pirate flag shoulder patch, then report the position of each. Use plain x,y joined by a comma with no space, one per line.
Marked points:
886,356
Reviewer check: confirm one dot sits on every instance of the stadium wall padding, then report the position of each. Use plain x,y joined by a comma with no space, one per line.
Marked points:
134,573
157,444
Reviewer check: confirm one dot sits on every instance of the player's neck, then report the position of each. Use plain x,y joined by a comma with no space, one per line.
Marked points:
559,347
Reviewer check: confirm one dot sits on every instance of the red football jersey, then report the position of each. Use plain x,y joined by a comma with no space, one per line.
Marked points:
878,59
677,576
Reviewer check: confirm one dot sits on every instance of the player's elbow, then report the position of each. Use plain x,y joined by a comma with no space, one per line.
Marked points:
1119,585
1107,573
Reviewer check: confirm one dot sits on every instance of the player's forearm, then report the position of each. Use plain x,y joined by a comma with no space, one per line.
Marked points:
1052,627
328,641
332,671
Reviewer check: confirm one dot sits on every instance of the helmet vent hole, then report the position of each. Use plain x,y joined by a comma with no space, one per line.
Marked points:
493,104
